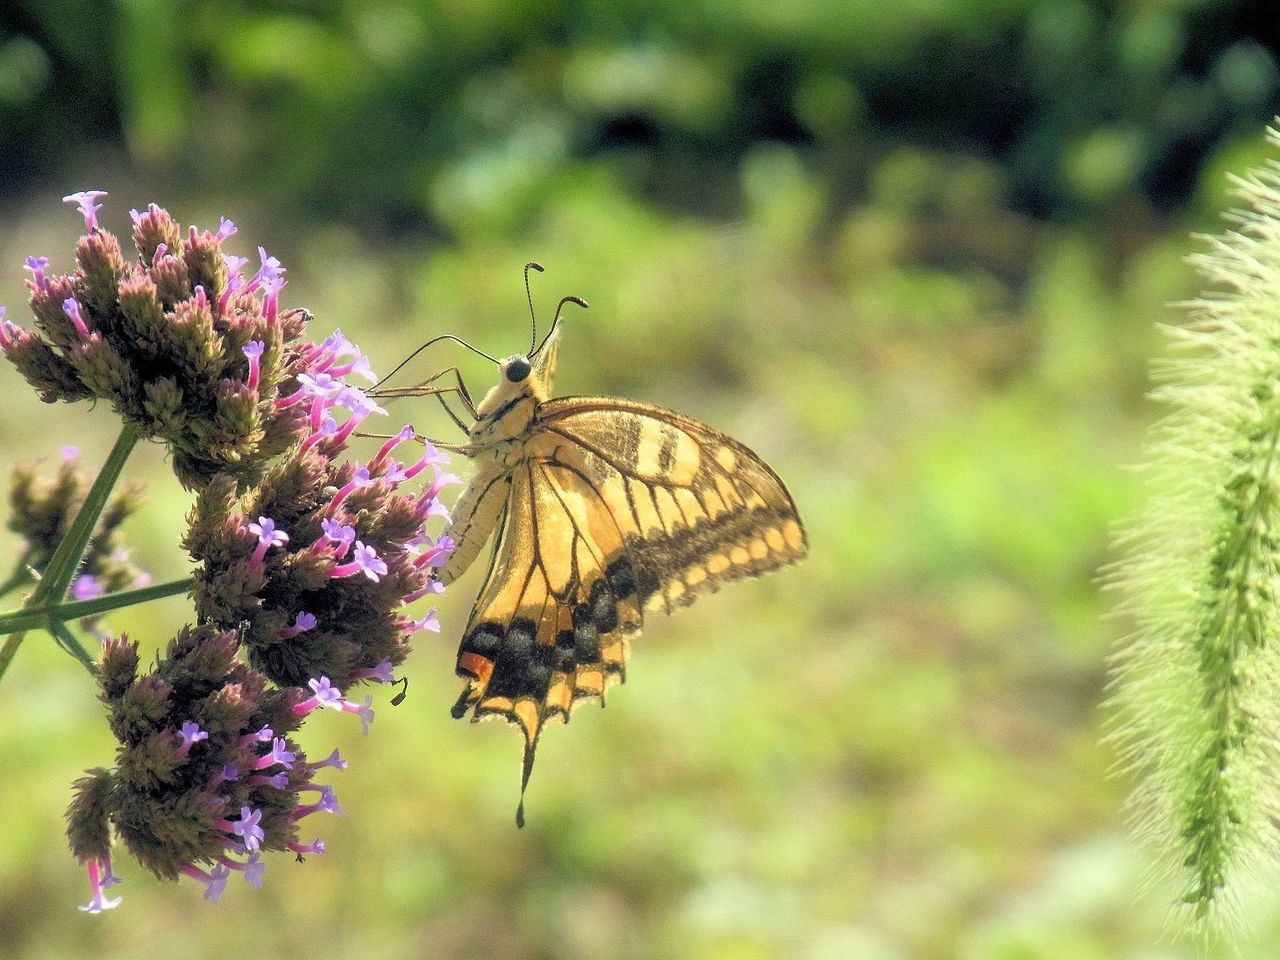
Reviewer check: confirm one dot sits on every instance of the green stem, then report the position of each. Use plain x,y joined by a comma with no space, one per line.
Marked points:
11,644
62,566
69,642
38,617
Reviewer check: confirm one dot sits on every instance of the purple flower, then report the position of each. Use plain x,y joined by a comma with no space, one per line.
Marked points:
329,800
247,828
333,760
279,753
435,556
300,848
240,814
84,203
429,622
301,623
86,587
268,537
382,673
359,480
327,695
359,365
436,508
71,307
215,881
328,803
109,879
320,385
357,401
339,533
262,735
431,586
190,733
98,901
365,712
277,780
253,350
270,268
37,266
9,332
405,435
271,287
442,479
338,345
364,560
254,868
226,228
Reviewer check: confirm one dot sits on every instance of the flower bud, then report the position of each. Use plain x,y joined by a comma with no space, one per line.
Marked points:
43,507
101,269
153,228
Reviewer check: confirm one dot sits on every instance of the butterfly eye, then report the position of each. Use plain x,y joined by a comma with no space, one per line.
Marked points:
518,369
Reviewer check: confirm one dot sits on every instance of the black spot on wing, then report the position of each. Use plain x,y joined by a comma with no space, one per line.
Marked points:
521,667
602,607
648,580
621,577
565,660
484,639
586,637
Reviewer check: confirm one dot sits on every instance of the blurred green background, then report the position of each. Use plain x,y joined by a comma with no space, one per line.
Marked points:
912,253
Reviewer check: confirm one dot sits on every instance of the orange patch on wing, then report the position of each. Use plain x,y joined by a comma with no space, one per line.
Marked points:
475,666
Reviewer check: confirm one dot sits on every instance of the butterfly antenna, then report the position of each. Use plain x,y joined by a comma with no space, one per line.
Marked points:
444,336
556,322
533,320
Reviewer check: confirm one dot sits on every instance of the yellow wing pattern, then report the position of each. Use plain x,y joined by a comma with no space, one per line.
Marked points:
615,507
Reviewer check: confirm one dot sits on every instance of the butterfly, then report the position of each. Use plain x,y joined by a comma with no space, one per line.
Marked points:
600,510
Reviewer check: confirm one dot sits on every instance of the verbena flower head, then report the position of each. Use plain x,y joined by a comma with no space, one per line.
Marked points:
41,508
207,778
162,337
315,565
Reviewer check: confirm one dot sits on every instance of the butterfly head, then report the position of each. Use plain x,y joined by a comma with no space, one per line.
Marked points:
516,369
508,407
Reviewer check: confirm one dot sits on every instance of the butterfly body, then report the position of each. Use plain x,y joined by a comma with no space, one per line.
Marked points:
601,509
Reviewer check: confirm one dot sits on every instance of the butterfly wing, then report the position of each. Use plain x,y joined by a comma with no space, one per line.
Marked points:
615,508
544,362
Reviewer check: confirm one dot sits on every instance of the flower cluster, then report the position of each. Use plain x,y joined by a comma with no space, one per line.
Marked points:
207,778
179,341
41,509
315,565
307,559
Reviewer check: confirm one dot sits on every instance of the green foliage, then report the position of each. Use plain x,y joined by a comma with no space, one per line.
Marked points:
471,111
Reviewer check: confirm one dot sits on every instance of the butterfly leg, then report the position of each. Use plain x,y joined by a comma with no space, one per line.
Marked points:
459,387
